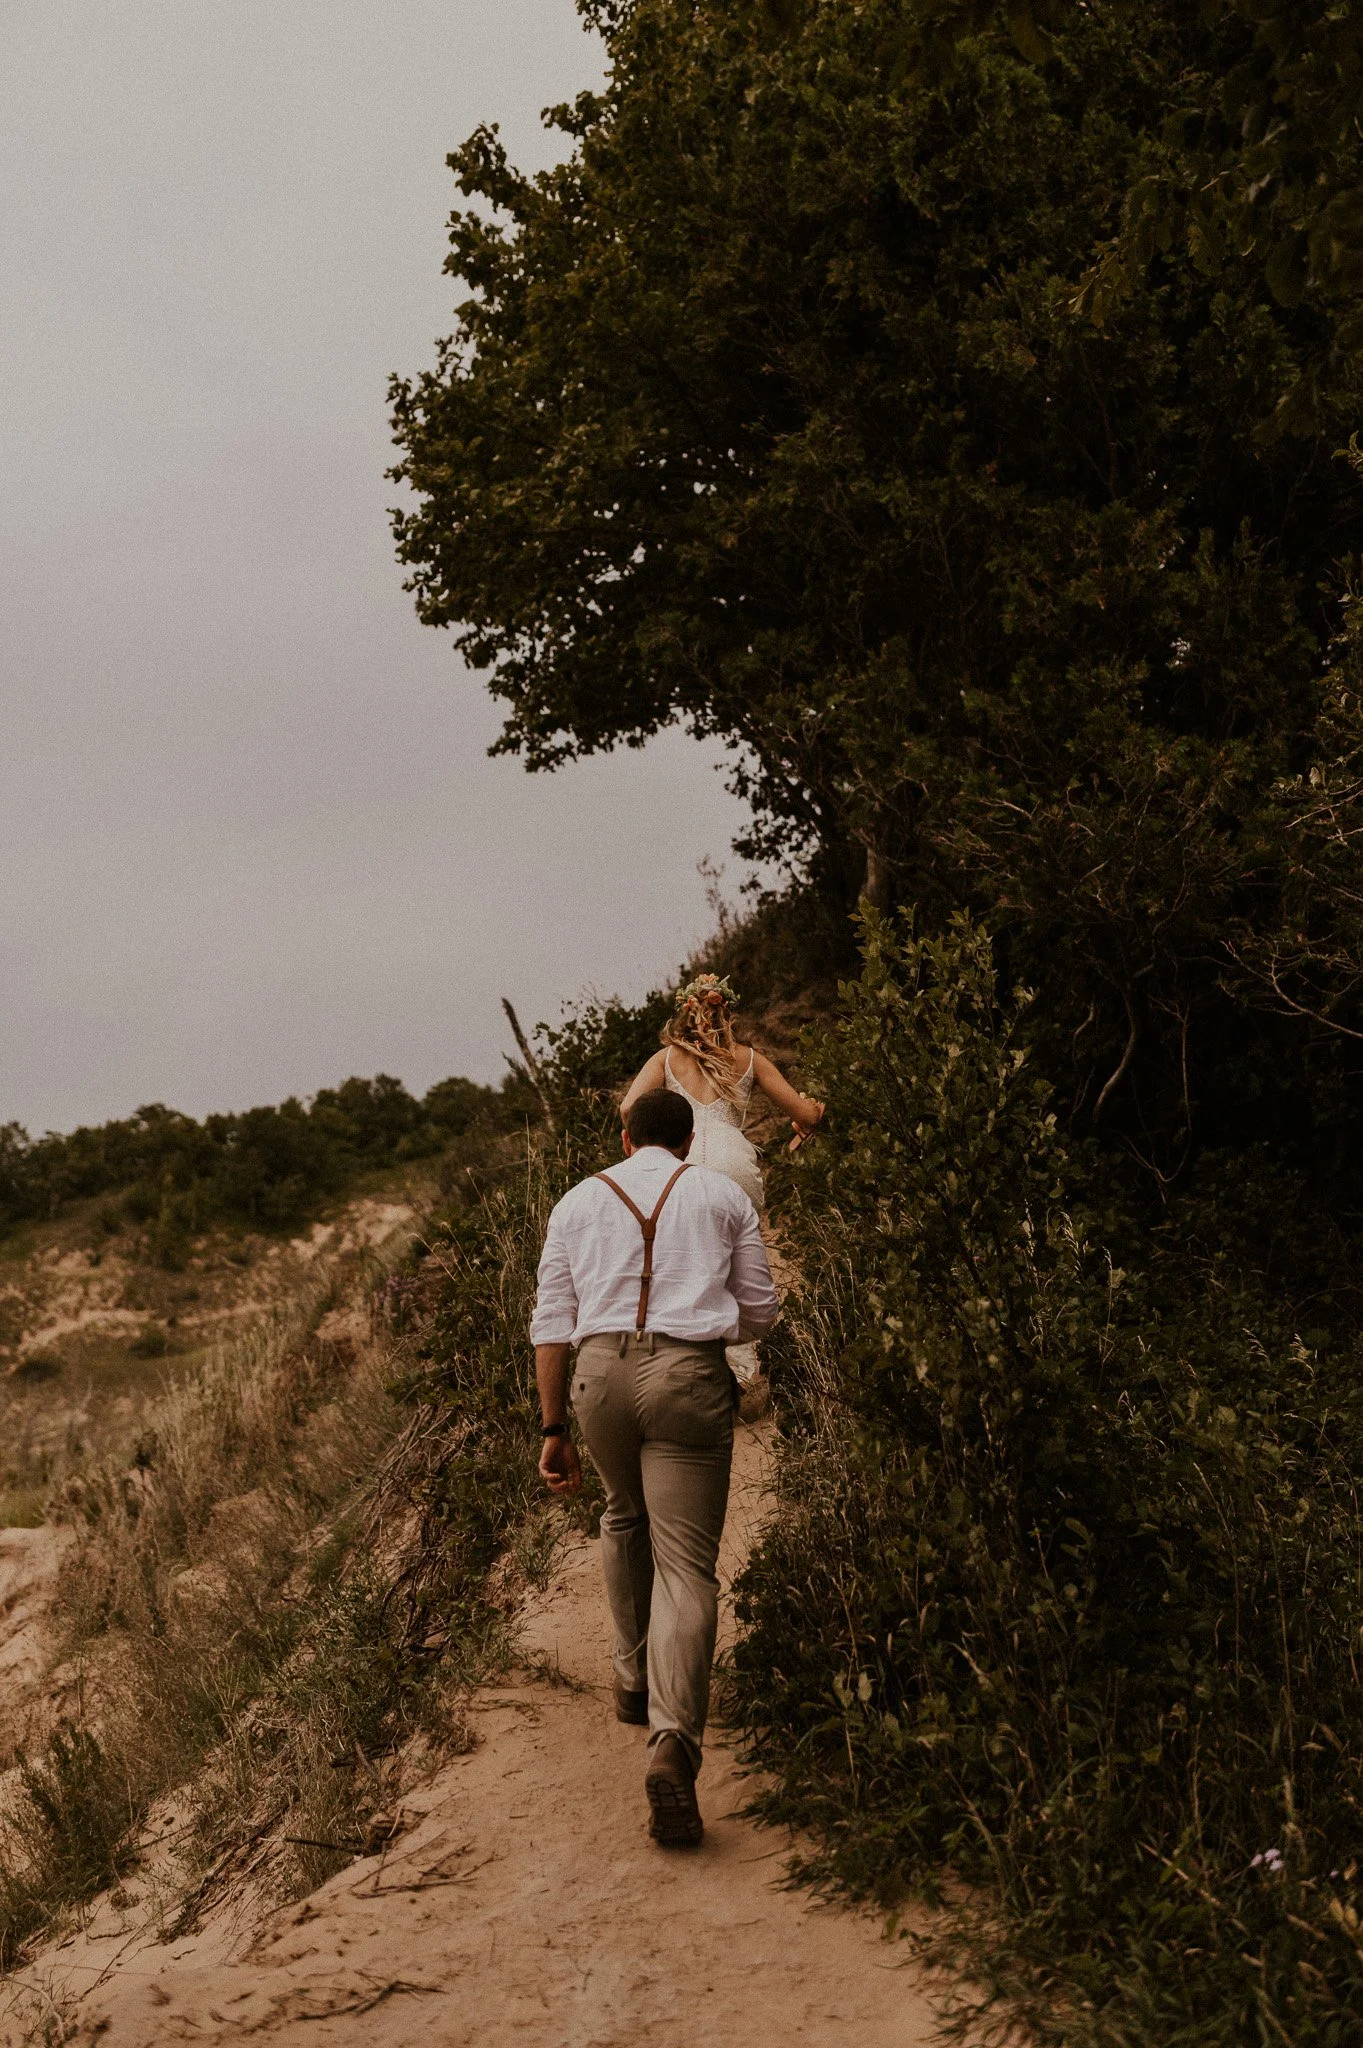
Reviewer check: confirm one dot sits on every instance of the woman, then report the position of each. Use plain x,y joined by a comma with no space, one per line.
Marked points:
702,1060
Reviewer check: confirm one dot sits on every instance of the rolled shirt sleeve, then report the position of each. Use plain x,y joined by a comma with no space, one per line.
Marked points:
555,1316
750,1281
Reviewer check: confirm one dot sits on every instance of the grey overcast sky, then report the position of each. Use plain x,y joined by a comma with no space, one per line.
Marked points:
251,840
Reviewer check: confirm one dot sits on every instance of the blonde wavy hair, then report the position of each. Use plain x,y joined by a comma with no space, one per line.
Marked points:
700,1024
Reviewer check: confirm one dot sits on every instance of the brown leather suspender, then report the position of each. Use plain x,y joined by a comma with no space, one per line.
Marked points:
649,1226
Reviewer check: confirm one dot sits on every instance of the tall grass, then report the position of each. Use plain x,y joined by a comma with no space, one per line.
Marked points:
1064,1591
292,1580
187,1589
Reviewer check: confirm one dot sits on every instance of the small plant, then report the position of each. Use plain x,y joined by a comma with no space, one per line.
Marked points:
68,1834
46,1363
22,1507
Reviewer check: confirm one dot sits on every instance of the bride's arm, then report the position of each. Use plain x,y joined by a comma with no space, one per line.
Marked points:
803,1111
653,1074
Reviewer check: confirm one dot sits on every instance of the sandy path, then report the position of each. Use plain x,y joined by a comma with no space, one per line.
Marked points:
526,1904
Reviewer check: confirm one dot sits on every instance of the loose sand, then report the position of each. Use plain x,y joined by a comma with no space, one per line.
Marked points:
523,1904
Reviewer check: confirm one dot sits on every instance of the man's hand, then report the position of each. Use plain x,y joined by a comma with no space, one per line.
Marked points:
560,1466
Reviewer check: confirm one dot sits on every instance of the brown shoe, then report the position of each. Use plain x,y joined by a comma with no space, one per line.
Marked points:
631,1706
670,1782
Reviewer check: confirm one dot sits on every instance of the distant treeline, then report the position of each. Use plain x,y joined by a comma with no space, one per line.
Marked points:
264,1167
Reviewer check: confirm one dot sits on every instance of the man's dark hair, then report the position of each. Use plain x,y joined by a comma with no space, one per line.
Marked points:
660,1118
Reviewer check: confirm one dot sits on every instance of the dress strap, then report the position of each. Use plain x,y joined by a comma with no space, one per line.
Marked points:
649,1226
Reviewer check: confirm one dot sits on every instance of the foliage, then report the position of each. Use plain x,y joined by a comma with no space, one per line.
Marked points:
1254,166
266,1167
771,410
585,1057
1065,1590
1257,168
71,1833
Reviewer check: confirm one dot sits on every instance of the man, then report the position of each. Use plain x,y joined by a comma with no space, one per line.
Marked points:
649,1272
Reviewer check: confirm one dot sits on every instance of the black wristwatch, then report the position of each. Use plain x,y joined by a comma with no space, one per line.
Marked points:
554,1429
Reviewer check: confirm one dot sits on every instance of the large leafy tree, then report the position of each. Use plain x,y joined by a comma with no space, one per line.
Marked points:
780,408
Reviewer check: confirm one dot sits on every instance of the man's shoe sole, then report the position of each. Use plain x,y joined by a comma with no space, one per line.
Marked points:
675,1817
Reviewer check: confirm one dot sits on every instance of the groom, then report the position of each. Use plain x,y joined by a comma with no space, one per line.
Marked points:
649,1271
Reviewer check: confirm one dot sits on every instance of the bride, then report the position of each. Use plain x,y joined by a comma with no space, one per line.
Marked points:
705,1061
702,1060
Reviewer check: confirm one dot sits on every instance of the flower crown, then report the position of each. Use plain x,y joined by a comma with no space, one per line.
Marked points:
711,989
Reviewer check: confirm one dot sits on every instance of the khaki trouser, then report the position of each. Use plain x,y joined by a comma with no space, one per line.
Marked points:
656,1413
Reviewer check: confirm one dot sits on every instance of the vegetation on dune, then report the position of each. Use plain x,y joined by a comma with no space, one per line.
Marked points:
279,1596
267,1168
1065,1590
288,1581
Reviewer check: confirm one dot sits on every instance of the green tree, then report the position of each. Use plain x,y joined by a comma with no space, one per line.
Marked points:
770,410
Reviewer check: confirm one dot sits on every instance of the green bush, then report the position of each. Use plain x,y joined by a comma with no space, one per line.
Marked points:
1065,1591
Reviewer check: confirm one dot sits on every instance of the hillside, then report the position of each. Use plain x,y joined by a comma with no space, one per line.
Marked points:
97,1330
419,1617
1050,1605
92,1322
129,1250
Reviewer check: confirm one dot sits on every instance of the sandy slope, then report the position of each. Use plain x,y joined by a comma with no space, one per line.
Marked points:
524,1904
29,1562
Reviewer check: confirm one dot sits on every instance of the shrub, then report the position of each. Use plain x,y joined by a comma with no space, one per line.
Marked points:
70,1834
152,1342
1065,1590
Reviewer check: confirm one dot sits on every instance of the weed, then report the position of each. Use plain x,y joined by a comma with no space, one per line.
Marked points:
151,1342
69,1834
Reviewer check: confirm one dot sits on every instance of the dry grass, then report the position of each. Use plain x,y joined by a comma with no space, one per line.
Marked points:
274,1607
203,1569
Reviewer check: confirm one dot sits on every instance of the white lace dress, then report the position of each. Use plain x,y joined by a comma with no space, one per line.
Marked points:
719,1142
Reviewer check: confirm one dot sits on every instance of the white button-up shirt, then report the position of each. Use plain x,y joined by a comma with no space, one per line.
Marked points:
711,1280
